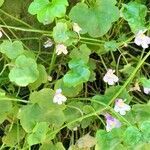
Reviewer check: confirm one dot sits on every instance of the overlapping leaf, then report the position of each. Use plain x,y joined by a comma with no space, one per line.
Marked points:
97,19
60,33
79,70
78,74
47,11
11,49
52,113
134,13
41,79
38,134
1,2
24,72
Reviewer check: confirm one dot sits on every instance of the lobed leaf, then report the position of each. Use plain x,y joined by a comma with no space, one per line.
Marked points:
95,20
47,11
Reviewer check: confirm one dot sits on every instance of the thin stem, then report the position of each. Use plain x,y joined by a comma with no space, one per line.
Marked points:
25,29
130,78
14,18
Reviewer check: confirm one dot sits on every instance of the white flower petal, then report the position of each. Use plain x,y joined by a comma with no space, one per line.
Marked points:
137,41
59,98
121,107
116,108
1,34
108,128
76,28
60,48
111,82
110,77
122,112
127,107
146,90
48,43
144,45
141,39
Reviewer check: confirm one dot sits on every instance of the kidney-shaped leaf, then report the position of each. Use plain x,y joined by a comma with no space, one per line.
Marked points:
132,135
29,115
47,11
38,134
134,13
60,32
78,74
96,20
24,72
11,49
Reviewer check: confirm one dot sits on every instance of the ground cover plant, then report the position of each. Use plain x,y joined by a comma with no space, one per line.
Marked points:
74,74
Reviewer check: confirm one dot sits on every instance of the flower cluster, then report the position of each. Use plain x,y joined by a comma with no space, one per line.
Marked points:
120,107
110,78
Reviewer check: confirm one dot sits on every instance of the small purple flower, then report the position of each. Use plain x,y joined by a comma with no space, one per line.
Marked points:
111,122
121,107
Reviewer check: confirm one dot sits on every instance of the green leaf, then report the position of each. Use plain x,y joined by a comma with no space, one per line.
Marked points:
57,146
41,79
109,93
143,146
145,82
145,128
5,106
24,72
96,20
82,53
87,109
132,136
69,91
72,112
60,33
78,74
13,136
110,46
38,134
11,49
127,69
47,11
47,145
141,112
51,112
107,140
29,115
92,67
44,98
1,2
134,13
